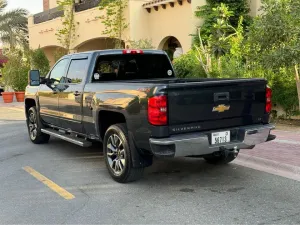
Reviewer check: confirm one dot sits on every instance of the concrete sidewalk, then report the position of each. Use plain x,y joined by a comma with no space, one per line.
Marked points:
11,111
280,157
14,104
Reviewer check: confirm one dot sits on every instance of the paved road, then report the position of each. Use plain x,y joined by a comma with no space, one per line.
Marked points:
172,191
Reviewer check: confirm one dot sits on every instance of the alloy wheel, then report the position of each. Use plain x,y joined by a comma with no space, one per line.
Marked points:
32,124
116,154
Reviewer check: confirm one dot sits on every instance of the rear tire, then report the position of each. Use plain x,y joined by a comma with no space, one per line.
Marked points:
221,159
34,127
117,155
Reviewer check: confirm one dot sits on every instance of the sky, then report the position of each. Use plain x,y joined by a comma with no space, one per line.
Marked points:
33,6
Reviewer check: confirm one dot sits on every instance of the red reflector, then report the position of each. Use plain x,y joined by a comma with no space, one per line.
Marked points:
268,100
157,110
130,51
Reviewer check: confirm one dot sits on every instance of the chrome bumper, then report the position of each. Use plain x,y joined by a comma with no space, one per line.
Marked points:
197,144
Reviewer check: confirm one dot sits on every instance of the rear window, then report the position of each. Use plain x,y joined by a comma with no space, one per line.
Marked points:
131,67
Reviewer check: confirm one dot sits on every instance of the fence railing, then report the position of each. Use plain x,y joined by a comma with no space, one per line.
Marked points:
86,4
48,15
58,12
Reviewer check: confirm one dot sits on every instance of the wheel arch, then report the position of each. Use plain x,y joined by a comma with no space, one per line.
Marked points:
29,102
107,118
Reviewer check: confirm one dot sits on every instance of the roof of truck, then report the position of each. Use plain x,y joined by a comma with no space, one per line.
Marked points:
118,51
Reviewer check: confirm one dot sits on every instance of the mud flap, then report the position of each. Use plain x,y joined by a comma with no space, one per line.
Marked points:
138,158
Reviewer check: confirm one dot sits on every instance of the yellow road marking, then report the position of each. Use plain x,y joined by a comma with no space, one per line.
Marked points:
50,184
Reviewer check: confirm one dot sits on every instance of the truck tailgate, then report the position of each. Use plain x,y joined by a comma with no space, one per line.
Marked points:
223,103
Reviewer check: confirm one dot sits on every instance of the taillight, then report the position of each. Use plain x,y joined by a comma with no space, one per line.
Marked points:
157,110
131,51
268,100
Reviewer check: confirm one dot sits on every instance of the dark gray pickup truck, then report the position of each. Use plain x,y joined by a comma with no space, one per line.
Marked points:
132,102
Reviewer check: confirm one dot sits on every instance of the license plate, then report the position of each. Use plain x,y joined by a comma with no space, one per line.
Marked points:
220,137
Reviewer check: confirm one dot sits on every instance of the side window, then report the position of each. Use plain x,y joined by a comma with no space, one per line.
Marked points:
77,71
59,70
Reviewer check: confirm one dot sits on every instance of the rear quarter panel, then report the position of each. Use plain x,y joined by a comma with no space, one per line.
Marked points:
130,99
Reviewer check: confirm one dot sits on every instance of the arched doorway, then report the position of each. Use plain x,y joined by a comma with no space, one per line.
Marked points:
98,44
172,46
54,53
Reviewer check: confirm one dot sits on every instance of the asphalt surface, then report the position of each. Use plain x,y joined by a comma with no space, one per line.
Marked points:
172,191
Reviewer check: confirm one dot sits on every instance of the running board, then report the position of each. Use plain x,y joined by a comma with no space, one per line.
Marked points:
75,140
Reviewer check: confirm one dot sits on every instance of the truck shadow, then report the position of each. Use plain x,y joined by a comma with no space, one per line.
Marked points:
185,172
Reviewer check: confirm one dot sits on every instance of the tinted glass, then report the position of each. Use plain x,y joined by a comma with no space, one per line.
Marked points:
130,67
34,76
77,71
59,70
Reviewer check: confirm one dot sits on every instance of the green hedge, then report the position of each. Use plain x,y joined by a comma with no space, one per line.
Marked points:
187,66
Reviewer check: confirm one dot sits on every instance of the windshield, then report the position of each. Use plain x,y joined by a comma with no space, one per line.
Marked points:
130,67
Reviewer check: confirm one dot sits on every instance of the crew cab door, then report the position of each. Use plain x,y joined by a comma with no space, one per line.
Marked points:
70,96
48,93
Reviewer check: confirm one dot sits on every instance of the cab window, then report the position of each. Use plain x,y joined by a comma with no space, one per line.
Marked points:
77,71
59,70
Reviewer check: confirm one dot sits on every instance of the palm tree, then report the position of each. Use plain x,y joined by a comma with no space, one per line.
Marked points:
13,26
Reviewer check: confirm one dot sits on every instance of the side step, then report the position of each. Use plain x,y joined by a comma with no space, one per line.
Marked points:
75,140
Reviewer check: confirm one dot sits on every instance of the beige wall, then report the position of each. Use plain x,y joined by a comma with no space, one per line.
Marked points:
174,21
139,28
43,34
89,27
178,22
52,3
96,44
50,52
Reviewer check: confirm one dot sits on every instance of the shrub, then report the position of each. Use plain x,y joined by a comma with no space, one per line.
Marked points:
15,71
142,44
285,91
39,61
187,66
239,8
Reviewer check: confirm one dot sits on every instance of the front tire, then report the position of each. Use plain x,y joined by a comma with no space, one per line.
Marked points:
117,155
34,127
222,158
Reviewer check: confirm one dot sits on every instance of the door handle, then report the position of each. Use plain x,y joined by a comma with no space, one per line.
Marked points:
224,96
77,93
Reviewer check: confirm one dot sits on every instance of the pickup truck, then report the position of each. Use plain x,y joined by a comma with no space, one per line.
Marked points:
131,101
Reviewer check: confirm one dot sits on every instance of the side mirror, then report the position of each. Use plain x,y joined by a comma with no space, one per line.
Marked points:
34,78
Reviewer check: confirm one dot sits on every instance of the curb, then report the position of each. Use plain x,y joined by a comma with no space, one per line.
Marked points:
16,108
12,106
269,166
19,109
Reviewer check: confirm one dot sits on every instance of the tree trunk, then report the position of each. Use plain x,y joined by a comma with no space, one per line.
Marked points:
297,82
71,26
219,64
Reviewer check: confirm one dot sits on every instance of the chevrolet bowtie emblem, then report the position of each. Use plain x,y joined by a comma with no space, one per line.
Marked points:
221,108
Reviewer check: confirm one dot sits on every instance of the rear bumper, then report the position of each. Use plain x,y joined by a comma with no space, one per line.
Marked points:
197,144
